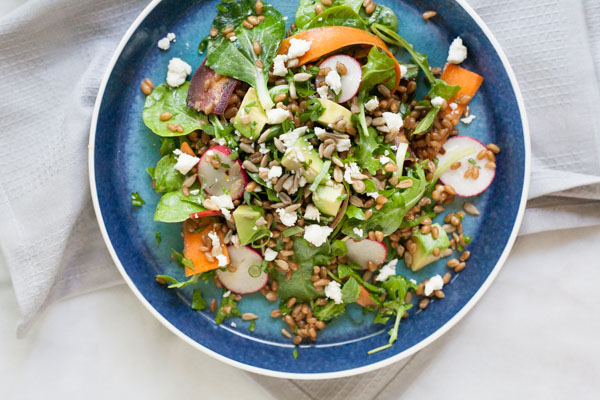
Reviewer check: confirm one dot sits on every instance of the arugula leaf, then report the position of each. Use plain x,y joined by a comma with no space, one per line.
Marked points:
426,122
237,59
337,16
350,291
366,147
442,89
252,325
220,131
166,177
175,207
329,311
295,353
175,284
227,304
339,248
198,302
354,212
379,68
174,100
136,200
300,286
292,231
314,109
167,145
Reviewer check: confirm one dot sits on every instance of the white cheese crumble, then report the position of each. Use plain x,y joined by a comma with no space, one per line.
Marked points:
393,120
372,104
386,271
233,38
177,72
357,231
224,203
467,120
227,294
350,169
214,237
194,192
312,213
171,36
298,47
317,234
334,81
270,254
164,44
333,290
185,162
290,137
262,149
323,91
287,218
437,101
233,325
222,259
275,172
457,52
384,160
374,195
221,141
434,283
453,106
279,68
343,145
320,132
276,116
403,71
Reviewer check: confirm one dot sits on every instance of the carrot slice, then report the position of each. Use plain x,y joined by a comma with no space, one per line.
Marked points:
328,39
192,244
185,148
468,81
364,299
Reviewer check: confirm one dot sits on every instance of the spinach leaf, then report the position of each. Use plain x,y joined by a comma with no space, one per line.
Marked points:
426,122
227,309
442,89
300,286
175,207
198,302
306,13
365,148
329,311
337,16
173,100
237,58
379,68
136,200
354,212
167,178
167,145
350,291
339,248
383,16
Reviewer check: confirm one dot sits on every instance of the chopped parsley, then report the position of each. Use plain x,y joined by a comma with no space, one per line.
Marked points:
136,200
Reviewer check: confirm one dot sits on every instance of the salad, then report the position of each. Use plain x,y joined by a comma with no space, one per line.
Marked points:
303,164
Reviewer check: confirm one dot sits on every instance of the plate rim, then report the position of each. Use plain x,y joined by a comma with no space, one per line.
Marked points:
320,375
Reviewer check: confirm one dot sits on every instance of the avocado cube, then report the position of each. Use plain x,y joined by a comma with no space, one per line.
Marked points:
245,218
258,117
332,113
301,154
426,244
328,199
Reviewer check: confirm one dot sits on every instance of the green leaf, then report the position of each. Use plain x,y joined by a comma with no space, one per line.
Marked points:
354,212
136,200
350,291
379,68
252,325
427,122
227,303
198,302
157,237
175,284
442,89
339,248
337,16
167,178
383,16
306,13
329,311
167,145
292,231
321,175
174,100
295,353
237,59
175,207
365,148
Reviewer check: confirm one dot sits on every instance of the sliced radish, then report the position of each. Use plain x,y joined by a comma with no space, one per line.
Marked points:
249,276
207,213
464,149
363,251
228,178
350,80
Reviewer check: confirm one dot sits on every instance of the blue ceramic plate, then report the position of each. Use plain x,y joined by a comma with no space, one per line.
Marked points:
122,148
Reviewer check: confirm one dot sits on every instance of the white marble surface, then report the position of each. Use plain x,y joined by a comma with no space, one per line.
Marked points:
533,335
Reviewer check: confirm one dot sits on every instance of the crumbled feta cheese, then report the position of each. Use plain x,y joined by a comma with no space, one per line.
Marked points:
164,44
224,203
403,71
358,232
334,81
171,36
372,104
323,91
320,19
437,101
277,116
393,120
317,234
285,18
262,149
386,271
312,213
270,254
194,192
227,293
185,162
233,324
333,290
434,283
279,68
350,169
414,282
453,106
275,172
221,141
290,137
467,120
287,218
222,259
320,132
210,153
374,195
233,38
214,237
177,72
298,48
457,52
384,160
343,145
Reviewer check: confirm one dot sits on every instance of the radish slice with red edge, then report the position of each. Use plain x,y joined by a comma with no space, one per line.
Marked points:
229,178
464,149
248,276
207,213
350,80
363,251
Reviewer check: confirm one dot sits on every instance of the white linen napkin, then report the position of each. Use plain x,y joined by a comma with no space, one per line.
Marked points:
52,58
